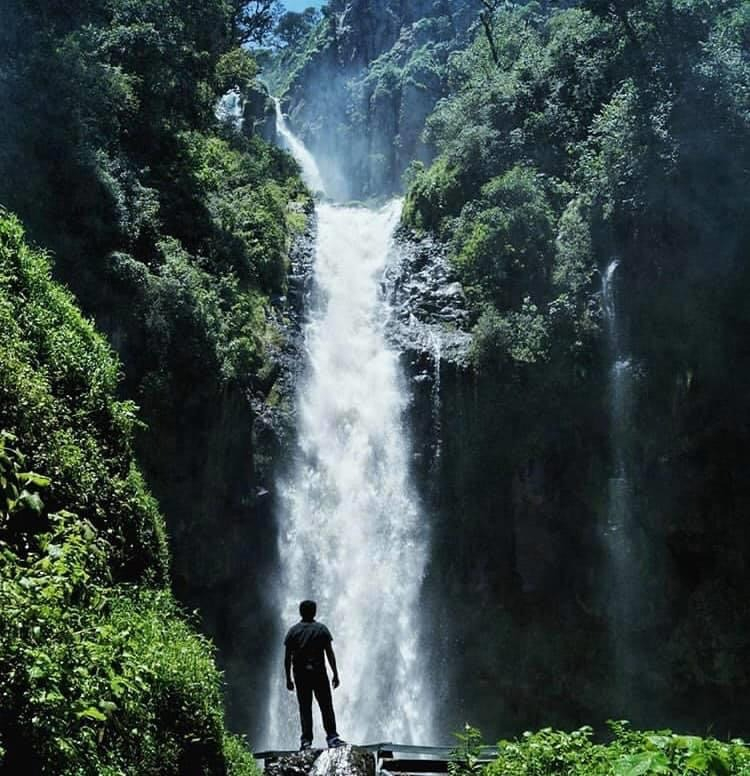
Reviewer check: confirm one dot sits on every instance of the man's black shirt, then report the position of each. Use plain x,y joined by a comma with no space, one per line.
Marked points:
307,641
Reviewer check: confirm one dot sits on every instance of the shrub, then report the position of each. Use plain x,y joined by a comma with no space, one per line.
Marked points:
95,678
631,753
58,384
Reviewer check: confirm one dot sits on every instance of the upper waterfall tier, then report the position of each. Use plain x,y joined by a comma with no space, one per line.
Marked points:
310,172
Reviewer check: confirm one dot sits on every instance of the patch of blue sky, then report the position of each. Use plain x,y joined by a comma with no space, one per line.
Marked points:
300,5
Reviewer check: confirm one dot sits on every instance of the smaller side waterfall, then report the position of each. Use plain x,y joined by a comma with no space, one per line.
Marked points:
230,109
437,404
620,410
620,538
310,172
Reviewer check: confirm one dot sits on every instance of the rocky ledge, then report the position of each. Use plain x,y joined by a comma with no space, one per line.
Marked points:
430,314
342,761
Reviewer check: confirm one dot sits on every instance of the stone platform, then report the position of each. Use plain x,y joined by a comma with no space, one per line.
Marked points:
383,759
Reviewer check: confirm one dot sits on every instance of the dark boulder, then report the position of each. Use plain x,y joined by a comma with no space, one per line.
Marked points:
341,761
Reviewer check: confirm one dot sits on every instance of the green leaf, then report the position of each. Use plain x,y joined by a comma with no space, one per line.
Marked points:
36,672
108,707
702,761
718,764
640,764
697,762
32,478
92,713
691,743
30,501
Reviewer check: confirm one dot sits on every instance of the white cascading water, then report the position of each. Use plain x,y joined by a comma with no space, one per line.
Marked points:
620,531
310,171
351,533
230,109
619,405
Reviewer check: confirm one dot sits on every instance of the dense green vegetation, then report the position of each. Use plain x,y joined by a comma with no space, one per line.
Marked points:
173,231
631,753
603,131
58,381
581,144
100,672
114,159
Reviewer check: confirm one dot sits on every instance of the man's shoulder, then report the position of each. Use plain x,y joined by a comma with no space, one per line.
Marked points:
292,632
323,628
314,629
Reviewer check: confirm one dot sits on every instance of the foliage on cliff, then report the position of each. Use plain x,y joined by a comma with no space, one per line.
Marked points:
100,672
608,131
114,159
170,228
58,383
631,753
173,231
602,131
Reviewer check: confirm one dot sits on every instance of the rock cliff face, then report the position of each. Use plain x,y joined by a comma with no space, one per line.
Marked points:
520,592
519,628
508,512
241,595
430,317
259,115
360,96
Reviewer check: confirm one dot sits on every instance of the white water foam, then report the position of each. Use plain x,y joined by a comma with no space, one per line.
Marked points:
352,535
310,172
351,532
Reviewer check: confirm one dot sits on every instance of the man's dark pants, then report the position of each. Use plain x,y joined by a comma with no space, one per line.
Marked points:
307,683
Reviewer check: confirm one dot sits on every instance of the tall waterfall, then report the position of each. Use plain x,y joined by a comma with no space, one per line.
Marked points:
620,530
351,533
310,171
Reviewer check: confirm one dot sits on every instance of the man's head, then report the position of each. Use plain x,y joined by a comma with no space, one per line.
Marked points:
307,610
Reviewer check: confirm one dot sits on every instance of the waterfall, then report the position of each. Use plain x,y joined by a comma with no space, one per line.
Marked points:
230,109
620,528
351,532
310,172
620,378
437,403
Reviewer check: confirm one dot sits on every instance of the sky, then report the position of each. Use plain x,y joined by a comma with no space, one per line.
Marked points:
300,5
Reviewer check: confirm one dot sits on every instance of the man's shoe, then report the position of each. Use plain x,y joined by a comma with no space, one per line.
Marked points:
305,745
334,742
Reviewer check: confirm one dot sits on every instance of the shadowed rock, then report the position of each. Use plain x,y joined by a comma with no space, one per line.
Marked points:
342,761
430,311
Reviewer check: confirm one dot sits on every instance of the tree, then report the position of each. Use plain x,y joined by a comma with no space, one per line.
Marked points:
293,27
256,19
486,16
620,10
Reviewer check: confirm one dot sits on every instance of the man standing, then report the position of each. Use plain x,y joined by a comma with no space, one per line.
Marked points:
306,643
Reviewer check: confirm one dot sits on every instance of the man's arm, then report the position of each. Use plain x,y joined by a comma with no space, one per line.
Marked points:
288,668
332,662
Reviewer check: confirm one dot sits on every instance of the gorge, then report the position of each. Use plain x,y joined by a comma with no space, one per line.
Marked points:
451,336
